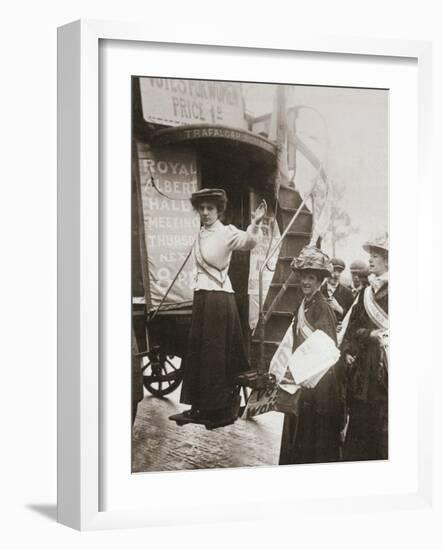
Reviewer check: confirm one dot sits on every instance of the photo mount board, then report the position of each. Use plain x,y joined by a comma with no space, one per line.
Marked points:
83,208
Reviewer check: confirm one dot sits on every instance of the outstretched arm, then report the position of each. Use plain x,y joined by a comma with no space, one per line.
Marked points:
247,240
260,212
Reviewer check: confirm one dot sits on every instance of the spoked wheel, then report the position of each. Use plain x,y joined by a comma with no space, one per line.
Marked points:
160,375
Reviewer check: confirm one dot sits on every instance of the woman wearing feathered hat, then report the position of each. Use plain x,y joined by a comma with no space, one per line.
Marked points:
312,433
365,352
216,353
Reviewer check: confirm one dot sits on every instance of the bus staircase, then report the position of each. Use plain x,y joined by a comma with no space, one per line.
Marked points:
276,310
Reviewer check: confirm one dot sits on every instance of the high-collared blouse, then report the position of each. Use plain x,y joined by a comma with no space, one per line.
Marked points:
217,243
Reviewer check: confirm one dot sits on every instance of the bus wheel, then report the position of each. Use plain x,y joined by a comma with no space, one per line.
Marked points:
161,373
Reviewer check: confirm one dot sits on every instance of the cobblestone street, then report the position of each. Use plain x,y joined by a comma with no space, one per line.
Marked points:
159,444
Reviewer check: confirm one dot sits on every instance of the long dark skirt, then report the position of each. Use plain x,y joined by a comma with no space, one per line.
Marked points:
367,435
311,436
216,353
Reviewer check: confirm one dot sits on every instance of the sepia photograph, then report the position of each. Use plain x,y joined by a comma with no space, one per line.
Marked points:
260,274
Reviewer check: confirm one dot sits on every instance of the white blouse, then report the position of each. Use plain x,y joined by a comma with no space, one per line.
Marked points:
217,243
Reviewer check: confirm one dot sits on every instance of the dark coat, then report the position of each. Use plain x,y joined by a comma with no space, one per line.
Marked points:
344,297
313,435
367,386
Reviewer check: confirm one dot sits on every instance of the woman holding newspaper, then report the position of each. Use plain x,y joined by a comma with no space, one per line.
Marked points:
311,431
216,353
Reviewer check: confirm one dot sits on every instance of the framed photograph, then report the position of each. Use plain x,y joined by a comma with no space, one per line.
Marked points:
231,216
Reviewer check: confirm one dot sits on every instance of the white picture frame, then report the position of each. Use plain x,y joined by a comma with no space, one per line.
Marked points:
80,263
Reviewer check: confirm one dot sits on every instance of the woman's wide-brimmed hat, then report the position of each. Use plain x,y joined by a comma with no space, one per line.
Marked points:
217,195
312,259
381,242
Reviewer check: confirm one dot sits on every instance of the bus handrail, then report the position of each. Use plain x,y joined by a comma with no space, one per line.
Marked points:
262,319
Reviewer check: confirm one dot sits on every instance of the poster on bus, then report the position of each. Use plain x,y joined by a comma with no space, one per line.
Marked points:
176,102
167,180
270,238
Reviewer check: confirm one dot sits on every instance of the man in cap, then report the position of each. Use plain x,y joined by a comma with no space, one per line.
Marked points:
365,353
359,275
338,296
